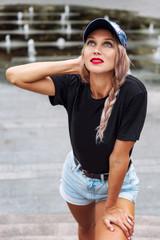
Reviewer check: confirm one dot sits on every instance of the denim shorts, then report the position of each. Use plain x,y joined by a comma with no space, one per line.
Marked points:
77,189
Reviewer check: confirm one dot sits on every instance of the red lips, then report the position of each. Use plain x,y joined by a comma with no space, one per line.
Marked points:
96,60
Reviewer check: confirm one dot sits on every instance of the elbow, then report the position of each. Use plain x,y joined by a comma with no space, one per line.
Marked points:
11,76
113,160
118,161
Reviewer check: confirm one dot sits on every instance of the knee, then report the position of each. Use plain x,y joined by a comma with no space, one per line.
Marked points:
87,229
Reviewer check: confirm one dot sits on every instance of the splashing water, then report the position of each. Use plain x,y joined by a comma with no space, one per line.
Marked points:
60,43
8,43
31,50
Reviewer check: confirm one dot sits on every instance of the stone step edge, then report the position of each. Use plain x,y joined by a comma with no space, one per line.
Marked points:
43,238
62,238
58,229
64,218
37,218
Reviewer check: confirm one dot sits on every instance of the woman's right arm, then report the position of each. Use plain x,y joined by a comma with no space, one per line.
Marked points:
36,76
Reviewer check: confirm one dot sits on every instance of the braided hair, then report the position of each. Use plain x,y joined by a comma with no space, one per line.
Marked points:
122,64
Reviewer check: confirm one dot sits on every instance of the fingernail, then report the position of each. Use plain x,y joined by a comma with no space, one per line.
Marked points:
111,229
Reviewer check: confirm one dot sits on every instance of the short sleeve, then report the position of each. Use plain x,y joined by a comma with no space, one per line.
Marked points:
61,83
66,87
133,118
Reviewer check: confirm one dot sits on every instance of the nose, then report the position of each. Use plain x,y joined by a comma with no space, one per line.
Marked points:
97,50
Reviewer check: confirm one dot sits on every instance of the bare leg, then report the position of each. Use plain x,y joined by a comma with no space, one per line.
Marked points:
101,231
85,216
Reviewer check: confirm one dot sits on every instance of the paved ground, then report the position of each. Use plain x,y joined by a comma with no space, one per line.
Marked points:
34,141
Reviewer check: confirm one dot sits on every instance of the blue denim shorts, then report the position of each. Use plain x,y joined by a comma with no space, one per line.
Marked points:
78,189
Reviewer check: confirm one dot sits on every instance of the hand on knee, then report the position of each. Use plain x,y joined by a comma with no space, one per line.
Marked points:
120,218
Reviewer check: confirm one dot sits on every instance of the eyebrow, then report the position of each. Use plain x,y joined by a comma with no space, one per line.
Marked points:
104,38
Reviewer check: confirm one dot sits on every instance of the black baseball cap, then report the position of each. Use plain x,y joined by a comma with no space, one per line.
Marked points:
113,27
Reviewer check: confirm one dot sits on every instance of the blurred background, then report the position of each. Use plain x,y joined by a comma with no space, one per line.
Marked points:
34,136
48,32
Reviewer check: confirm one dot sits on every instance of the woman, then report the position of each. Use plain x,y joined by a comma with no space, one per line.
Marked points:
106,111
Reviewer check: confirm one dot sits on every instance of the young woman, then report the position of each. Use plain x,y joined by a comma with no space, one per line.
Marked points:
106,111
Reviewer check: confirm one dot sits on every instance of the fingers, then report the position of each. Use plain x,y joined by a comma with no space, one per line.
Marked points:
131,218
126,224
126,229
130,227
120,218
108,224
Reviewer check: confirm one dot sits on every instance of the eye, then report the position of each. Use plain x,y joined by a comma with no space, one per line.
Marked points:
108,44
90,43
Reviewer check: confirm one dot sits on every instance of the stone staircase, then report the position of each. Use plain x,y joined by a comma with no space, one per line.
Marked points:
63,227
30,171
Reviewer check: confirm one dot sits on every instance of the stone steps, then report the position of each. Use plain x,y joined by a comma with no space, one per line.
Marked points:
62,238
44,238
59,226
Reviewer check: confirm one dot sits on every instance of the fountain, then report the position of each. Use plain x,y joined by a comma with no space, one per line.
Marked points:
156,55
151,28
106,17
19,17
66,12
31,50
26,31
31,13
60,43
63,21
8,43
69,31
67,9
58,31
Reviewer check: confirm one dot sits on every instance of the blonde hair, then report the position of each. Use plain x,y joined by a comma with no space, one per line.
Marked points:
122,64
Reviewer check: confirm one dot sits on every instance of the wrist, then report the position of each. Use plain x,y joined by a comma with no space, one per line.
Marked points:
76,65
111,203
70,66
109,207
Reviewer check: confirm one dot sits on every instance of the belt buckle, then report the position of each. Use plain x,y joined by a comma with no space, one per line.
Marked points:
83,172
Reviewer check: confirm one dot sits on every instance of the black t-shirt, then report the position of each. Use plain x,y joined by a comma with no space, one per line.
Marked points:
84,113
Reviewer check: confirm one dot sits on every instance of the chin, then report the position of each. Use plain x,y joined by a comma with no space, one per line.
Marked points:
95,68
99,71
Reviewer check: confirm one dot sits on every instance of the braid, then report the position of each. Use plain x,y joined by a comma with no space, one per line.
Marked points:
106,112
121,69
122,64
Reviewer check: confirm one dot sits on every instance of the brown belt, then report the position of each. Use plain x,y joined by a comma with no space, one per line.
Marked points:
103,176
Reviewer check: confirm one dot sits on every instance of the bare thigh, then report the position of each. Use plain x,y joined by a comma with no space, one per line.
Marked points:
101,231
84,215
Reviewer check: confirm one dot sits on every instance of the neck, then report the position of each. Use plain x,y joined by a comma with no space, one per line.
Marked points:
100,85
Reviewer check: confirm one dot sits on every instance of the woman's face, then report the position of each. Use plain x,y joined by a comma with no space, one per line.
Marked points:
100,52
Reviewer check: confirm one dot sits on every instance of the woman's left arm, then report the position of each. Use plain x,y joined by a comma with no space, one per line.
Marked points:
118,165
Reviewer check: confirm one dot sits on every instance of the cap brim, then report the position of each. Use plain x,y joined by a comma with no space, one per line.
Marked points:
97,24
